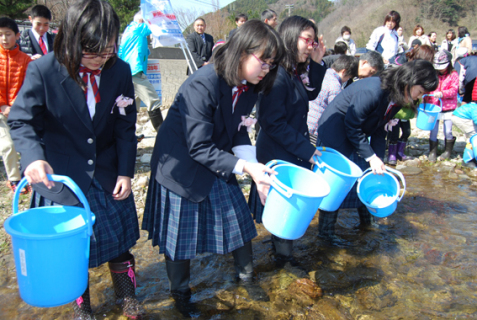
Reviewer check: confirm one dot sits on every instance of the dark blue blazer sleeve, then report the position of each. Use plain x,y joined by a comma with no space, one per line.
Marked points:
362,106
316,75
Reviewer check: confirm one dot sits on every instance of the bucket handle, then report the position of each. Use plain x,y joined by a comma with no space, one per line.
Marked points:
429,95
320,163
396,172
280,187
66,181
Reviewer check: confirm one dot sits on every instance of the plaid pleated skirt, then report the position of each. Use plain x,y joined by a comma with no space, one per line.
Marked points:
116,228
182,229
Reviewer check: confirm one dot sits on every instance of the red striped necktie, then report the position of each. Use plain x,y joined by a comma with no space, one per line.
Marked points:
42,45
387,115
94,84
236,95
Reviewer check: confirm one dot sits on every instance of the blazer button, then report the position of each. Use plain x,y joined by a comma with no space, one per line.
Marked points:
90,162
304,116
90,140
305,133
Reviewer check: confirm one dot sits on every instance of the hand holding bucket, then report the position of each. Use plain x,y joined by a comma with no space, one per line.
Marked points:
51,248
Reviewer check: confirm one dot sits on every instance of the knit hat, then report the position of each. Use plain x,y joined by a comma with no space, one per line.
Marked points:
441,60
416,42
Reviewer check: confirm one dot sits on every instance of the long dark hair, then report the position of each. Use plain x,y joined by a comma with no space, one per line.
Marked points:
89,25
290,30
399,81
253,36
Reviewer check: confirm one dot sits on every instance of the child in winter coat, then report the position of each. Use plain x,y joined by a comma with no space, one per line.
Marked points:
447,92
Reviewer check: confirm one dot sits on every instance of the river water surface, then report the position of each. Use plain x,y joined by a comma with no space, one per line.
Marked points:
419,264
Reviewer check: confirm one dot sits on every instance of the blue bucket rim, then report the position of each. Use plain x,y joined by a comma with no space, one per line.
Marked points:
35,236
373,206
352,164
423,109
324,183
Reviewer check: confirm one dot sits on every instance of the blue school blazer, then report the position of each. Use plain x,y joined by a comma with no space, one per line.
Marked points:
194,144
282,115
356,114
50,121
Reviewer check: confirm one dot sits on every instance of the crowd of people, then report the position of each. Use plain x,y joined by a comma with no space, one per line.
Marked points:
73,112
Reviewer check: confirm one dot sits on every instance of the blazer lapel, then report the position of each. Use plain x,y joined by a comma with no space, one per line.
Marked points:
35,43
50,42
76,97
107,100
300,88
226,107
244,106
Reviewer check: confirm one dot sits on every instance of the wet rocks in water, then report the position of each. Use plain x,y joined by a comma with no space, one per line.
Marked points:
334,280
376,297
305,286
448,164
434,256
409,171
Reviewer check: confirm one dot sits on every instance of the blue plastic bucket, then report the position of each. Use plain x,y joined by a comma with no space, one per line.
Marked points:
427,114
51,248
380,193
340,173
294,197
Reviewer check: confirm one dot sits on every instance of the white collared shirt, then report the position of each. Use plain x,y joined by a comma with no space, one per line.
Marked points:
234,89
91,100
37,37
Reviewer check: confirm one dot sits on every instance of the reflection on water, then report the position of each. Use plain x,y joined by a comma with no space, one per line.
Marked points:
420,264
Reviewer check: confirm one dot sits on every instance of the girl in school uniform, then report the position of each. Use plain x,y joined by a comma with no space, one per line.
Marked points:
360,112
194,203
75,116
282,113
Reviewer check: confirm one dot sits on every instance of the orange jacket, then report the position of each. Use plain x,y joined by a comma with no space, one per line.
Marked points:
13,66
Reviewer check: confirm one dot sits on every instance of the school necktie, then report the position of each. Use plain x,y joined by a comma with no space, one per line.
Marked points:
236,95
387,115
42,45
474,91
94,85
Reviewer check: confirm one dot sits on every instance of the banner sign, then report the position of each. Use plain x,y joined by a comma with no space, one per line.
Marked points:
162,22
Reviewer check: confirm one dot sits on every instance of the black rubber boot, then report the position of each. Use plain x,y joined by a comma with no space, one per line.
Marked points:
82,307
178,273
432,150
448,149
326,228
156,118
124,281
366,220
243,262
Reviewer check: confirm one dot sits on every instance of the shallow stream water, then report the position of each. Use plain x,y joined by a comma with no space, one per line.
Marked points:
420,264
